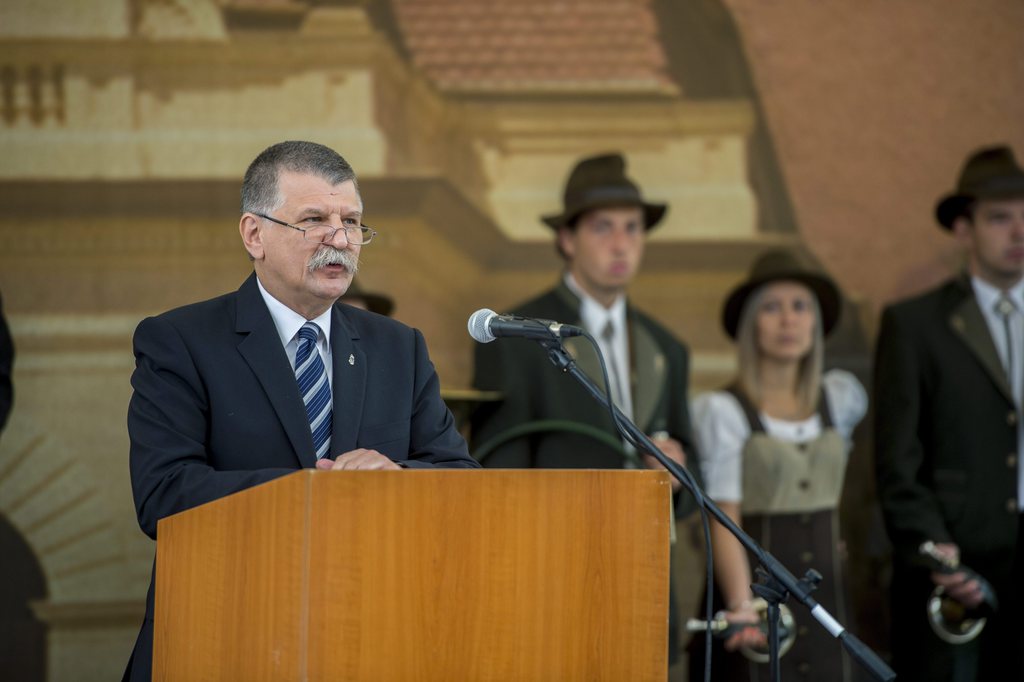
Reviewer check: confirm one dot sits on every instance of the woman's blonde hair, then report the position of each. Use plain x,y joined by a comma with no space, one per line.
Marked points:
808,387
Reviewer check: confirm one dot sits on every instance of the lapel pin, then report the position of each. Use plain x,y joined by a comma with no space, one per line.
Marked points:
351,359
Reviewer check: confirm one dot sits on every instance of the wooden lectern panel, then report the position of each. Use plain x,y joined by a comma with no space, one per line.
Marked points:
421,575
231,585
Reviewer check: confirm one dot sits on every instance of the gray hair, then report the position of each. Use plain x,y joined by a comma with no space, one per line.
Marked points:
808,386
259,188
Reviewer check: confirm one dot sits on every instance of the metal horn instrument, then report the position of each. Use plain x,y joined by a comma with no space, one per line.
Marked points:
952,621
723,629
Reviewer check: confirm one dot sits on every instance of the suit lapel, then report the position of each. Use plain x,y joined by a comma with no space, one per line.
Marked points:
581,350
349,383
586,359
968,323
648,363
261,348
649,371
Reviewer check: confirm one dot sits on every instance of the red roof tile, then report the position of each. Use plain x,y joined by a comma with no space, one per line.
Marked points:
531,45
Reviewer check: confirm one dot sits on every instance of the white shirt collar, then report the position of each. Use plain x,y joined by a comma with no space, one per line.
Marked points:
594,315
595,318
988,295
288,322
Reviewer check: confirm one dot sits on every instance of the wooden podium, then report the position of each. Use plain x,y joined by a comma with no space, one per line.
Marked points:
419,575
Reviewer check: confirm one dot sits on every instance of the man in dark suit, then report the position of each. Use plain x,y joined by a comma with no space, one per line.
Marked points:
600,234
948,382
241,389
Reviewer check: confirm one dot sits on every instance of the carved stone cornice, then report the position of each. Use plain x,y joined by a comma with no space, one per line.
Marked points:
566,121
109,220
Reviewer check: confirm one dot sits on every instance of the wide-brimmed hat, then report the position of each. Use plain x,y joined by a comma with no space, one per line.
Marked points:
989,173
599,181
776,266
375,303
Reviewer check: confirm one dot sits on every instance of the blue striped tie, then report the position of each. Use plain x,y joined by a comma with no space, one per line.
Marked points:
314,387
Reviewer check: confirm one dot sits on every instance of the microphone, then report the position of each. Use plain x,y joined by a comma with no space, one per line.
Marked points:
486,325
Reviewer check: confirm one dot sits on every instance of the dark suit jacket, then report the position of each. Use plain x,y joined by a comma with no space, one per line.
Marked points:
946,444
534,389
216,407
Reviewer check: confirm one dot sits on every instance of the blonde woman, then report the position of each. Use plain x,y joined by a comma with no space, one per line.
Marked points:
773,449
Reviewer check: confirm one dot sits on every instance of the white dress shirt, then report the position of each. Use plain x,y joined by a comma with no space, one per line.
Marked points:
721,430
988,297
288,323
595,318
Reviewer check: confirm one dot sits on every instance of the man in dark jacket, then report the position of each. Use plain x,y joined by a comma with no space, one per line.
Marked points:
948,384
275,377
601,234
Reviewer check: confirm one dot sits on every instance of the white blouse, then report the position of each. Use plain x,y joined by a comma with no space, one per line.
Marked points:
721,430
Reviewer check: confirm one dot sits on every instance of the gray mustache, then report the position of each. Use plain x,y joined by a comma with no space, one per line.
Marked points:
328,255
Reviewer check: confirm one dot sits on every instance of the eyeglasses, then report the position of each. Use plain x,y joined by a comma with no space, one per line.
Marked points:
320,232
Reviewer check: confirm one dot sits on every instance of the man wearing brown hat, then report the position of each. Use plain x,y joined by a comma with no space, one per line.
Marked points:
546,419
949,377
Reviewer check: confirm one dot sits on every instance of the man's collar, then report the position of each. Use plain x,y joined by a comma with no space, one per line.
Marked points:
288,322
987,294
581,293
594,315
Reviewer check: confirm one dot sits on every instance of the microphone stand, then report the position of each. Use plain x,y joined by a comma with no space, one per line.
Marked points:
776,582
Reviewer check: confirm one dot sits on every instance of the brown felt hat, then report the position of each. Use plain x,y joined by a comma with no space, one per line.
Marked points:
600,181
988,173
776,266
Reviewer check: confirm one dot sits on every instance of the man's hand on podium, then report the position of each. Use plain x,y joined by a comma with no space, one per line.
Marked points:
357,459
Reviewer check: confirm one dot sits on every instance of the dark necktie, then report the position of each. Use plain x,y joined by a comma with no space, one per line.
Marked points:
1006,309
613,364
314,388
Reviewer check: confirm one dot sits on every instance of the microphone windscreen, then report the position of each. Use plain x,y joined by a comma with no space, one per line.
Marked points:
479,325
